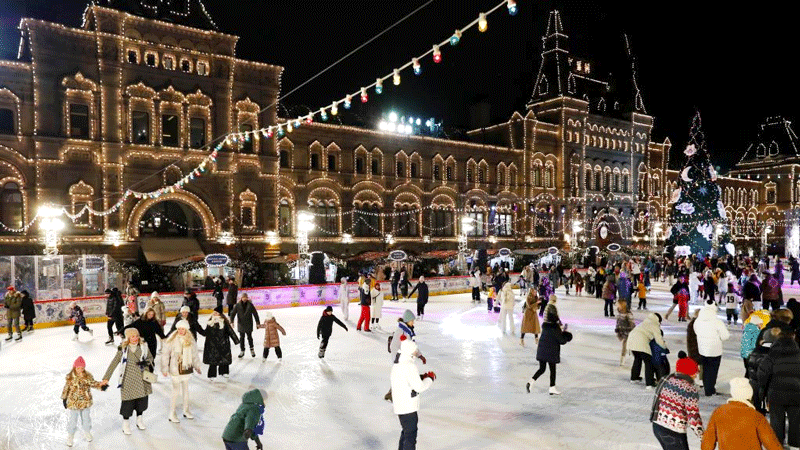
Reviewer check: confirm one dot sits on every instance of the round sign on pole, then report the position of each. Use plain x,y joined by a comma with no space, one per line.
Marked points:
397,255
613,247
504,252
217,260
552,250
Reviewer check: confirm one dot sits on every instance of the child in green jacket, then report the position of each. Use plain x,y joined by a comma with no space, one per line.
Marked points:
243,423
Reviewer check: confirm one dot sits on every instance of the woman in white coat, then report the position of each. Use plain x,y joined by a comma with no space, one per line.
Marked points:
639,344
344,299
407,385
710,333
179,357
507,298
377,304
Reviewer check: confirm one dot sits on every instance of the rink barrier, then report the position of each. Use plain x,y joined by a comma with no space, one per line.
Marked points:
55,313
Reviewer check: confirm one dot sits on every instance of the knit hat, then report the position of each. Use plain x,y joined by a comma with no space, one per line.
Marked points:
10,288
182,324
268,315
154,294
408,316
218,309
185,309
686,366
130,332
329,308
79,362
755,319
741,389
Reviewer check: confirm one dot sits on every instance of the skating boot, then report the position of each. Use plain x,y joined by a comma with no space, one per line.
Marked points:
140,423
75,338
10,337
554,391
241,354
174,417
126,427
110,340
528,387
69,440
88,436
187,414
388,397
252,352
19,337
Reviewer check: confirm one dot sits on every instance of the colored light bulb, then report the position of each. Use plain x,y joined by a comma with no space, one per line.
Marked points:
512,7
396,77
310,119
324,115
281,133
455,38
437,54
364,96
416,66
289,127
334,109
347,101
378,86
482,23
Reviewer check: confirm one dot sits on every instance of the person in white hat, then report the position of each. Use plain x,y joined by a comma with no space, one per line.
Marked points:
178,361
407,385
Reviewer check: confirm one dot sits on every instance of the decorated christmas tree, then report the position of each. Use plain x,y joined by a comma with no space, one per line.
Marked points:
697,211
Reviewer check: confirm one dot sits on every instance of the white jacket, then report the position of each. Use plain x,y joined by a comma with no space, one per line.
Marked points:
475,280
710,332
640,337
507,297
406,382
377,303
173,352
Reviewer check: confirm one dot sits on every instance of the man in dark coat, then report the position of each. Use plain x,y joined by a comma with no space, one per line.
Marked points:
232,295
779,384
752,289
246,313
28,311
190,300
325,328
422,297
114,314
217,294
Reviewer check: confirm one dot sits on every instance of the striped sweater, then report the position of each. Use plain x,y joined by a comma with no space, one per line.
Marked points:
675,405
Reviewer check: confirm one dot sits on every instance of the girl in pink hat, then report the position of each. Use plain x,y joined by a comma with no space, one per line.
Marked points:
77,398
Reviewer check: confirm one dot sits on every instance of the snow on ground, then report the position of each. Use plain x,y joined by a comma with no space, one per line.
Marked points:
478,400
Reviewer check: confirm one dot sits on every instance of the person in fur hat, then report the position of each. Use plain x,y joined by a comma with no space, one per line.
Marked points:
217,348
737,425
271,337
675,406
78,320
77,399
134,389
344,299
177,362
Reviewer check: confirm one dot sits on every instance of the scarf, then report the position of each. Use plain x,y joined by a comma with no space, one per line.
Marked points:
125,360
187,356
216,321
406,330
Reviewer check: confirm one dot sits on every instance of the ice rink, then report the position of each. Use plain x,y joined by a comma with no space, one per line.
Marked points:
478,400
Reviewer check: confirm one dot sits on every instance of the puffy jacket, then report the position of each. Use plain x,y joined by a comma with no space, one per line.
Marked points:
710,332
640,337
779,373
406,381
749,335
549,347
246,417
114,306
271,337
623,287
507,297
247,315
172,353
738,426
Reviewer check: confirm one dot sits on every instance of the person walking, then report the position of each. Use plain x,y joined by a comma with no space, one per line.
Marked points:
114,314
217,292
149,329
506,309
232,296
132,297
625,324
325,328
737,425
548,352
639,343
422,296
530,321
247,314
28,311
77,399
609,295
376,307
133,381
710,334
271,337
243,423
475,284
794,267
771,292
178,361
779,385
344,298
365,291
78,320
217,348
407,385
675,407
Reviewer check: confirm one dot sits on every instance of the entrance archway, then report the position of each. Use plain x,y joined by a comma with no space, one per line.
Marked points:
175,212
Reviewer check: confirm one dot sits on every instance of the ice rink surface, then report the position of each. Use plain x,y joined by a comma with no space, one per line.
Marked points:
478,400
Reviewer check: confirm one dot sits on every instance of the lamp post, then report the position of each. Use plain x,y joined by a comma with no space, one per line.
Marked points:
52,226
305,224
463,240
347,239
654,236
576,229
767,230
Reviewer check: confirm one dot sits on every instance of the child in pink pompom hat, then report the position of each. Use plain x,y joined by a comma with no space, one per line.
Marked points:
77,399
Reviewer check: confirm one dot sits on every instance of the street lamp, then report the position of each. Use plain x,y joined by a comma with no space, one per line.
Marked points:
654,236
305,224
463,239
576,229
52,226
389,239
767,230
272,238
113,237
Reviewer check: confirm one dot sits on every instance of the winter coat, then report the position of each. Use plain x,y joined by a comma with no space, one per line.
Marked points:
13,303
475,280
232,295
623,287
710,332
114,306
641,335
133,385
738,426
271,337
691,342
193,303
194,327
549,348
217,349
77,391
325,325
779,373
365,291
675,405
752,291
422,288
247,314
507,298
217,293
160,309
172,354
28,308
749,335
771,290
76,316
148,330
246,417
406,382
530,320
377,303
402,329
609,290
625,324
679,289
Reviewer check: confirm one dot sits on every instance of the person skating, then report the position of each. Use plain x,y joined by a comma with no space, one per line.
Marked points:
545,291
247,315
680,295
365,290
190,300
131,297
344,298
530,321
624,291
185,314
404,330
217,349
771,292
731,305
642,294
675,406
232,296
506,300
178,360
149,329
13,303
77,399
134,388
157,305
395,282
625,324
218,293
737,425
422,296
407,385
779,385
376,307
28,311
749,338
639,344
691,346
113,314
325,328
271,337
710,287
243,424
548,352
128,315
710,334
78,320
475,285
609,295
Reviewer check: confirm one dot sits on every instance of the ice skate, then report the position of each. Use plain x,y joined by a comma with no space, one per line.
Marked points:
69,440
388,397
88,436
126,427
225,375
622,360
75,338
110,340
10,337
19,337
522,342
252,352
554,391
174,418
528,387
187,414
241,354
140,423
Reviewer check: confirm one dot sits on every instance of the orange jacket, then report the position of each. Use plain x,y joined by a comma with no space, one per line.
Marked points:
738,426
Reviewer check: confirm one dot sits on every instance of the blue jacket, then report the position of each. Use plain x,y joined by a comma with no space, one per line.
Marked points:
749,337
624,287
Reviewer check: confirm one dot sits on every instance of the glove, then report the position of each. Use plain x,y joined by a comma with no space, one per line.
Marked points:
65,402
247,433
143,364
422,358
431,375
104,387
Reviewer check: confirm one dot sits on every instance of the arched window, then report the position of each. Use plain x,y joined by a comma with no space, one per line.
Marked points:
11,205
6,121
285,218
414,170
598,183
588,173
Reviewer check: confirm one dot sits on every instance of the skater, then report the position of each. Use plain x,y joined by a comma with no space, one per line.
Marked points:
247,314
710,287
185,314
724,285
137,369
78,319
548,352
77,399
13,303
217,349
271,337
624,291
365,290
771,293
578,282
232,296
609,295
475,284
149,328
325,328
625,324
395,281
178,361
680,293
731,305
404,282
344,299
422,296
507,309
779,275
642,291
545,291
530,321
490,298
217,293
749,338
114,314
737,425
405,330
190,300
710,334
779,385
28,311
407,385
157,305
377,305
794,266
590,274
639,343
752,290
245,423
675,407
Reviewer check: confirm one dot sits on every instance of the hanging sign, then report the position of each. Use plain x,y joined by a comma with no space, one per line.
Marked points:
397,255
613,247
504,252
552,250
217,260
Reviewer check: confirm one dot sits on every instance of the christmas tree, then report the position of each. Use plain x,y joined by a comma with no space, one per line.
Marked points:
697,211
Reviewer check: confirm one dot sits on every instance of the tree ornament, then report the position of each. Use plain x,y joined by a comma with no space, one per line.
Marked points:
705,229
676,194
685,174
690,150
730,248
685,208
712,173
721,209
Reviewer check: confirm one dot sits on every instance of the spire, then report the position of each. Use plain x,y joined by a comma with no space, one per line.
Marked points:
551,80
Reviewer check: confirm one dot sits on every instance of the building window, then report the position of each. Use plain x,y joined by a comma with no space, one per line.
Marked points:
367,221
437,172
481,178
186,66
442,222
449,173
202,68
470,176
247,146
477,223
608,181
11,205
79,121
588,179
150,59
6,121
375,167
140,123
616,182
331,163
414,170
326,219
285,219
360,166
598,181
169,130
168,62
284,159
406,223
624,183
771,196
315,161
400,170
548,178
501,178
502,224
197,132
133,57
247,216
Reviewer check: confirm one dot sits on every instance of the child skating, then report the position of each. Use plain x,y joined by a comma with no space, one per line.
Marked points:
78,319
271,337
624,326
77,399
642,289
731,305
325,328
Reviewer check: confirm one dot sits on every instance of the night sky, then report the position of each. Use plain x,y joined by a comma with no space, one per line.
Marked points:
733,64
